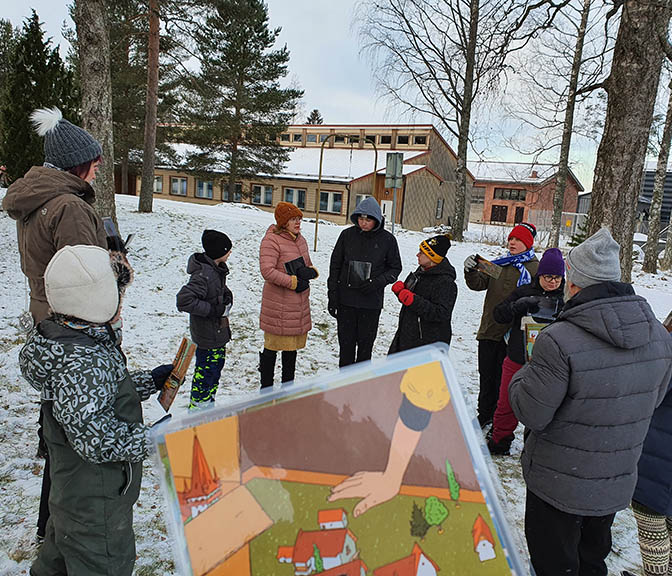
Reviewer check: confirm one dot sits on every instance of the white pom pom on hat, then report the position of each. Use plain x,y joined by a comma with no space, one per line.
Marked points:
45,119
79,282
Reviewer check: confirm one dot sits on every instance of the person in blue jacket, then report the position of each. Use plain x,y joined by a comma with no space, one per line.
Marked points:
652,501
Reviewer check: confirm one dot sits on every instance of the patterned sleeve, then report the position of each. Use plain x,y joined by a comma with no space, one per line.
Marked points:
144,383
83,405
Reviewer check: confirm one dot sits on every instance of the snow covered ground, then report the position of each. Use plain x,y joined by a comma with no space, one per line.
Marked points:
152,331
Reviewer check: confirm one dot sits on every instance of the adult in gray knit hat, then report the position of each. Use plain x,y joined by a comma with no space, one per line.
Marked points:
52,206
595,260
586,399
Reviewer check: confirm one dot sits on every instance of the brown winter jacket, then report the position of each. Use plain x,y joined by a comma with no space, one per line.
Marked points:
52,209
497,291
284,312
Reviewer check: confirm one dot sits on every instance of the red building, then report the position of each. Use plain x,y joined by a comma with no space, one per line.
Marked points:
203,489
508,192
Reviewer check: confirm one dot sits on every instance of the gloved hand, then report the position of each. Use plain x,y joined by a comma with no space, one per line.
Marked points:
368,287
216,310
160,375
470,263
332,307
397,287
301,285
406,297
526,305
306,273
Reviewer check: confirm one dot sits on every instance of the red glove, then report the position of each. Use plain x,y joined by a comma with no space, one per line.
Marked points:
397,287
406,297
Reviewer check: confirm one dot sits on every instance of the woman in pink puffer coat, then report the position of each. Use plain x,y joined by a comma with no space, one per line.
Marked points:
285,307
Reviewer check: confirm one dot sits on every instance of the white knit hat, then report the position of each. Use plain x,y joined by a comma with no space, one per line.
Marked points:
79,282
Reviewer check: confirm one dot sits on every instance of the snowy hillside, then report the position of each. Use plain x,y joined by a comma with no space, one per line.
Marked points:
153,328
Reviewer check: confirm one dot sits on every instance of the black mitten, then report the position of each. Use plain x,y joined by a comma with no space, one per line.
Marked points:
301,284
160,375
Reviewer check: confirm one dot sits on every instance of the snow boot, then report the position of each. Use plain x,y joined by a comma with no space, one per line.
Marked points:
501,448
267,367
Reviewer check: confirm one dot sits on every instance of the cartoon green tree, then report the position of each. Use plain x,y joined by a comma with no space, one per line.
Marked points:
419,525
319,565
435,512
453,484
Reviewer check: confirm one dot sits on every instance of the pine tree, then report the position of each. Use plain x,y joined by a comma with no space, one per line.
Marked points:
236,103
453,484
319,564
8,38
315,117
581,233
36,78
419,525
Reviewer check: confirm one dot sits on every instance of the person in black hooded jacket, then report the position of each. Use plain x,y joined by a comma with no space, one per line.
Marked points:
365,260
427,296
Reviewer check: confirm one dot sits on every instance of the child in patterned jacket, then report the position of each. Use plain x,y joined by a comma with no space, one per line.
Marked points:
208,300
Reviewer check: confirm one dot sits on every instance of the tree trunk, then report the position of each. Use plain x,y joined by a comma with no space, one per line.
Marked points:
460,220
124,173
149,151
651,252
666,260
631,88
96,86
563,163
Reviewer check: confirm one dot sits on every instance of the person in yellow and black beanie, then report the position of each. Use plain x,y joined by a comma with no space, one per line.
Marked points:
428,297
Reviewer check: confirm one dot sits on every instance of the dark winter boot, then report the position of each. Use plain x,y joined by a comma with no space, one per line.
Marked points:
288,365
502,447
267,367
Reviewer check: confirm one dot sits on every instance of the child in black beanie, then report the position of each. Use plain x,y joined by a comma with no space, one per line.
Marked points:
208,300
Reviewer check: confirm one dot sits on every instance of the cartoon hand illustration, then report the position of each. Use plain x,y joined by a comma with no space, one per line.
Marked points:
377,487
373,487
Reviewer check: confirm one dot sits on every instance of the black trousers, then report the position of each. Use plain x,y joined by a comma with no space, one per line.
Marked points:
267,366
562,544
357,331
491,354
43,515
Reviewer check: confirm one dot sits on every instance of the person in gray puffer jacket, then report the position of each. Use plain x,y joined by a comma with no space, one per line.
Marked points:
92,417
586,398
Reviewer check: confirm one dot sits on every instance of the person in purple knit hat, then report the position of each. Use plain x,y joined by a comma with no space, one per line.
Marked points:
540,299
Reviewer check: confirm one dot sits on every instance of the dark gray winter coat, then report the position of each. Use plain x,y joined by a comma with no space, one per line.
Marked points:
205,297
587,397
96,441
428,318
376,246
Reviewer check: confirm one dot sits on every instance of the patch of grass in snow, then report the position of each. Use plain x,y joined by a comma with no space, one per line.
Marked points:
157,567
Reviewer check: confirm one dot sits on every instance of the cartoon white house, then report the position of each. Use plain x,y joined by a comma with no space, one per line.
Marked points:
335,548
484,543
332,519
416,564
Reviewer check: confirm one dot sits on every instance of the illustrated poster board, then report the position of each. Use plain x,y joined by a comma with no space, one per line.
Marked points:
374,470
531,329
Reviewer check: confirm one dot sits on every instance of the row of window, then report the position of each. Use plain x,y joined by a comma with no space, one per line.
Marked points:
382,139
509,194
329,201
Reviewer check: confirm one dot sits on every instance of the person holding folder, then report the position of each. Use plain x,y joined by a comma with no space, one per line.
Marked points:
285,306
364,261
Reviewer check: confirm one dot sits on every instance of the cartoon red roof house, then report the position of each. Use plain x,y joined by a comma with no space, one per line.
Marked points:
484,543
331,519
417,564
326,549
285,554
204,489
354,568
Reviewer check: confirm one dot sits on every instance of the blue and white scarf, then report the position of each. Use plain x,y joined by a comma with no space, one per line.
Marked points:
518,262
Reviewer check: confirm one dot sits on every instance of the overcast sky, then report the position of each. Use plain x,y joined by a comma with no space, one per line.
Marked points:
324,57
324,61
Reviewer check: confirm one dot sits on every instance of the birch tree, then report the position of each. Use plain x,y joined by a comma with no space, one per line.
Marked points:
436,57
631,89
651,251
